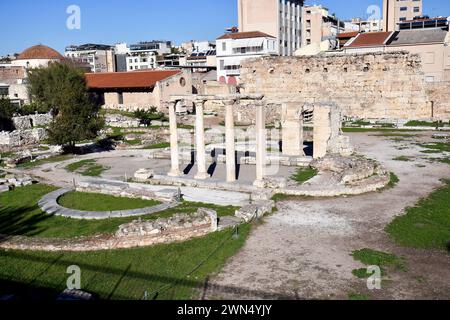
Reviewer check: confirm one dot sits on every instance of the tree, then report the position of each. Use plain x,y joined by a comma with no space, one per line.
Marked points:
7,111
62,88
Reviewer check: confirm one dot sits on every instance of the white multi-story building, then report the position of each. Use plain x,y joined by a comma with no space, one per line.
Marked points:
100,57
361,25
281,19
233,48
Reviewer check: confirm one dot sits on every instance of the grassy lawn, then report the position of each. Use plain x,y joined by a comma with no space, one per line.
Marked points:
383,260
20,215
304,174
100,202
88,168
161,145
174,271
426,225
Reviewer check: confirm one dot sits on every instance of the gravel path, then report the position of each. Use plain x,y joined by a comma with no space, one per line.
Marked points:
303,251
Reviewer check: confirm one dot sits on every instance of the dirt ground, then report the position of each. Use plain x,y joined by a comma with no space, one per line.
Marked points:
304,250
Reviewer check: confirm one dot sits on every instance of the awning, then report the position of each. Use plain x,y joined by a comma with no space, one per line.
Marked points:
246,43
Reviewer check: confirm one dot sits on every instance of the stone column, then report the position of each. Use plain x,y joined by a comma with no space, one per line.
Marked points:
292,129
202,174
174,155
322,130
230,140
261,144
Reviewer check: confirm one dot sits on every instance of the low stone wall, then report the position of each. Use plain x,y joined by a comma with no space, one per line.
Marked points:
32,121
20,138
180,227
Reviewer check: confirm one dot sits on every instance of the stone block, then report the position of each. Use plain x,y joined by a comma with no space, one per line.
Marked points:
144,174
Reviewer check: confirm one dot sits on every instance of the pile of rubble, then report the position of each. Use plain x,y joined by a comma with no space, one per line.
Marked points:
9,182
349,169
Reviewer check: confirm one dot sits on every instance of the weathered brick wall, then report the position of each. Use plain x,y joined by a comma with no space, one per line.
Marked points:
374,85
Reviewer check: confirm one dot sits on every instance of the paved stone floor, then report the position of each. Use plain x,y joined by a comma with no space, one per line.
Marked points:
303,251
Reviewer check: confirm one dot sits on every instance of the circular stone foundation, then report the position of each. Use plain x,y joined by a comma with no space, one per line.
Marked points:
49,204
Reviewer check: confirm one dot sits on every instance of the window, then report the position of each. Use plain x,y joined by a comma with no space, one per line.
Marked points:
120,97
224,46
416,9
403,8
222,65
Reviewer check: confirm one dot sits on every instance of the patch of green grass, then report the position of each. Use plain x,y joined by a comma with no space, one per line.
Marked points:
402,158
32,164
416,123
357,296
100,202
446,160
304,174
438,146
361,273
393,180
383,260
430,151
175,271
134,142
426,225
20,215
161,145
88,168
376,130
6,154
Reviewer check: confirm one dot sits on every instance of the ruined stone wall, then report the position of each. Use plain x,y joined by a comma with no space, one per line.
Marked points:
32,120
180,227
373,85
439,95
20,138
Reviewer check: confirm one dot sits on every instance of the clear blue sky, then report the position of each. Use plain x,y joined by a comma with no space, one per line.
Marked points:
28,22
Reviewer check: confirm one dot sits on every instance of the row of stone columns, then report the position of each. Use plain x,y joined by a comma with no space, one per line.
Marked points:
230,147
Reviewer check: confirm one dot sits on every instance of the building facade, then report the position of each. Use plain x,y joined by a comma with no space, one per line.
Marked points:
396,11
131,91
233,48
100,57
431,44
319,26
13,76
281,19
361,25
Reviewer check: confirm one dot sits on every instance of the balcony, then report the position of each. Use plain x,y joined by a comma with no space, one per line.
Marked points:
233,72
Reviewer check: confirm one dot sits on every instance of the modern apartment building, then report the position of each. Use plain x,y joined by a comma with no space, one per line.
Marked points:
319,25
100,57
234,47
278,18
396,11
362,25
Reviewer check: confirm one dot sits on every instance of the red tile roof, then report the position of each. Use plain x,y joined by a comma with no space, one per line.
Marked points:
351,34
370,39
245,35
40,52
143,79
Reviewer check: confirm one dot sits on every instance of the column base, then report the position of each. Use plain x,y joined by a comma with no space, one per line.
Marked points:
202,176
174,173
